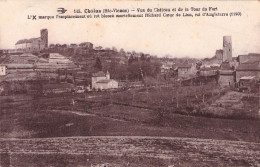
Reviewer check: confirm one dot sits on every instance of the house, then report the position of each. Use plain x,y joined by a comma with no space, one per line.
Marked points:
251,57
73,45
1,89
2,70
207,71
226,75
107,84
248,69
86,45
247,83
186,71
165,68
101,81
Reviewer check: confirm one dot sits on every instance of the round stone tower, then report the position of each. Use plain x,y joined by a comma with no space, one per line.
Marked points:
227,48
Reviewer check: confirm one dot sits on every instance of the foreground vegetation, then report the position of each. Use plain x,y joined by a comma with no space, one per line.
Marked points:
190,100
119,114
100,151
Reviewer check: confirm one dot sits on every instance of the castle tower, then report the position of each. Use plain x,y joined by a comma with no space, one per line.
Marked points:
227,48
44,37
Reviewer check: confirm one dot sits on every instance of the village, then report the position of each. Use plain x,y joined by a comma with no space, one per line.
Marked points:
37,68
73,61
69,90
84,68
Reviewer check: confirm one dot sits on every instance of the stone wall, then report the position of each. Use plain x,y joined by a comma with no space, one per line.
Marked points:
226,80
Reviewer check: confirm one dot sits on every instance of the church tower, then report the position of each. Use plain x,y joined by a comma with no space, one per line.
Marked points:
44,37
227,48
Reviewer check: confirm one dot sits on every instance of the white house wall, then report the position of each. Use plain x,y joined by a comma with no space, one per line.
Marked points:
2,70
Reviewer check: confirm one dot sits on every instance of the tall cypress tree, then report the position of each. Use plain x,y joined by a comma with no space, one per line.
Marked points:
98,64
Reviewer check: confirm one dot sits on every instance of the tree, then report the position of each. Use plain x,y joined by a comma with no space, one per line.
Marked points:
122,51
198,65
134,71
52,45
131,59
64,46
114,49
98,64
117,70
143,58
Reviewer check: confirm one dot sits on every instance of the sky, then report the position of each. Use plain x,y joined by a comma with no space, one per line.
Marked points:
197,37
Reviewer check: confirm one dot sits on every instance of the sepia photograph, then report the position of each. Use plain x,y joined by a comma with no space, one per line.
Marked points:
129,83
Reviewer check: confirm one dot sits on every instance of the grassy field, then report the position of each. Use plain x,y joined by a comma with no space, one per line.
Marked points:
192,100
56,116
52,116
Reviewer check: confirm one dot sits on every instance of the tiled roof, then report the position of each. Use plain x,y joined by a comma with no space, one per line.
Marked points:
166,66
26,40
186,64
247,77
254,54
99,74
209,68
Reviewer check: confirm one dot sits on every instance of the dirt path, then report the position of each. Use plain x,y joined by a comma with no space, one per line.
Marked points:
168,149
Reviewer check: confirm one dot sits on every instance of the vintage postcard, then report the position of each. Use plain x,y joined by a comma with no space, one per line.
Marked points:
129,83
